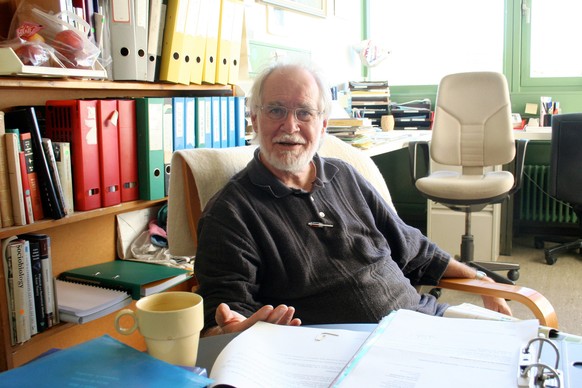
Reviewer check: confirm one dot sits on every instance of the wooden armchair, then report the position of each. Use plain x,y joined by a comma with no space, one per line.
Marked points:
197,174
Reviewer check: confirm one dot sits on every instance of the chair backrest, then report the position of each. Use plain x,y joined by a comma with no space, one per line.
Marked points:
198,174
472,122
566,158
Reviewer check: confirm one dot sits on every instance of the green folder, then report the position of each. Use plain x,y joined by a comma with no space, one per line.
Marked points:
137,278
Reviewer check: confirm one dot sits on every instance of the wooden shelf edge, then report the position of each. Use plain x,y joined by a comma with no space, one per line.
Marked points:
78,216
63,83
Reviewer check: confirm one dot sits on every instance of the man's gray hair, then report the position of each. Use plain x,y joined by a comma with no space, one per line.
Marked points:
255,99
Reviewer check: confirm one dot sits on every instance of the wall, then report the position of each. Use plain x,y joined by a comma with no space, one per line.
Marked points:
278,32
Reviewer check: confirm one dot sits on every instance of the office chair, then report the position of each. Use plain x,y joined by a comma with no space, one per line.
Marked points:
565,178
197,174
472,130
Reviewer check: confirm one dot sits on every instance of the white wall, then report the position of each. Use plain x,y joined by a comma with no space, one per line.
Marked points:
329,39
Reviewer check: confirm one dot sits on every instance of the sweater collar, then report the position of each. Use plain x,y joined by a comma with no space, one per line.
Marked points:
261,177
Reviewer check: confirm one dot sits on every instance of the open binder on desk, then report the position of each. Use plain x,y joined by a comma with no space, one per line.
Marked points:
406,348
428,351
551,363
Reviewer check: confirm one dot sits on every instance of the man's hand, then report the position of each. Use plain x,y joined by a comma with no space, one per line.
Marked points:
495,304
231,322
456,269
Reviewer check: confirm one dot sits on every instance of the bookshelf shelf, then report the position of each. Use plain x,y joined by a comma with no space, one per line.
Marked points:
82,238
77,217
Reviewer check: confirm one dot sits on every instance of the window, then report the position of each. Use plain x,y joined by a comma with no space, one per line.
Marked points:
550,56
428,39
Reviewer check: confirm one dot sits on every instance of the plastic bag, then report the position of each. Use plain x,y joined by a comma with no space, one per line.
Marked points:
43,39
151,247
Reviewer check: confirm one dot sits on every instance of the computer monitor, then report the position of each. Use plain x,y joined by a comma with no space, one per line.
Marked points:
566,158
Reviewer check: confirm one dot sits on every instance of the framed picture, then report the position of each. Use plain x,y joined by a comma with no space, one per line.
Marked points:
312,7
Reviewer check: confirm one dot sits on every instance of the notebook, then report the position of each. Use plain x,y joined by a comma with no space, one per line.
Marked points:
137,278
81,303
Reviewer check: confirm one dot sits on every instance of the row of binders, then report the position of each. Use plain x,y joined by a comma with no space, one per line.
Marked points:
178,41
120,150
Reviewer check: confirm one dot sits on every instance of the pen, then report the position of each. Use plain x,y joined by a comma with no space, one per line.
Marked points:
319,225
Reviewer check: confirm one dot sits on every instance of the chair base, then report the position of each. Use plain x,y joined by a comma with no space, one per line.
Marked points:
489,268
567,245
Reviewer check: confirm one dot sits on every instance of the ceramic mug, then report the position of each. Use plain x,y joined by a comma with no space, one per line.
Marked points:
387,122
170,323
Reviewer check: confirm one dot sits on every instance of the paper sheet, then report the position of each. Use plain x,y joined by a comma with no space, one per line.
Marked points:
268,355
417,350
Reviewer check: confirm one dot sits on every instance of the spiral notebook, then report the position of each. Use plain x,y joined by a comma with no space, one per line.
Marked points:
80,303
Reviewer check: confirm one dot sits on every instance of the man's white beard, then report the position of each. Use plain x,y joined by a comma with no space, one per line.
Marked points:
290,161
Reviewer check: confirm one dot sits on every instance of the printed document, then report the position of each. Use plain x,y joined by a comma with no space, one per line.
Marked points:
410,349
268,355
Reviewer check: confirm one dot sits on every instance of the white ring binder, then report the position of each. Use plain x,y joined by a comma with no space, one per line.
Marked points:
533,373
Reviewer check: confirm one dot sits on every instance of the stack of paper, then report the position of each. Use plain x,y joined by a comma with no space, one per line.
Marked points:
80,303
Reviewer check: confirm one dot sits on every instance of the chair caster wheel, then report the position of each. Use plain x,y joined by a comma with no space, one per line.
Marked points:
513,274
538,243
551,260
436,292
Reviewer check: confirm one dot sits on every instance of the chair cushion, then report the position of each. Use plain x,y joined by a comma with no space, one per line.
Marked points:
455,186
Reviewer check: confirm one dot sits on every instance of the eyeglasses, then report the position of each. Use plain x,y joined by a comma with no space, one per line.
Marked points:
278,112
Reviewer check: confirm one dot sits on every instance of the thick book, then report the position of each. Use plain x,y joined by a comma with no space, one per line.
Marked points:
50,304
16,254
47,146
26,120
37,284
80,303
102,361
31,175
9,285
26,194
139,279
62,152
15,177
6,213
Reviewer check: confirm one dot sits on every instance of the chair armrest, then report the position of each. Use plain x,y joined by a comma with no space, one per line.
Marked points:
536,302
413,150
519,161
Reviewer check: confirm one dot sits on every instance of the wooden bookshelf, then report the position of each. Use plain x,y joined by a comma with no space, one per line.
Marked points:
82,238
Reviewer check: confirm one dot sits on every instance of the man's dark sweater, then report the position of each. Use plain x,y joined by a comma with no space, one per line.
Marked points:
256,247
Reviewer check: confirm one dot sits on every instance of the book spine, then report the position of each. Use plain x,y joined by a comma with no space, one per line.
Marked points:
29,122
8,282
37,285
26,145
29,289
62,152
26,195
6,214
54,172
20,283
15,175
49,298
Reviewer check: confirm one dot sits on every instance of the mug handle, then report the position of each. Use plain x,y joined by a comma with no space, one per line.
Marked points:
125,330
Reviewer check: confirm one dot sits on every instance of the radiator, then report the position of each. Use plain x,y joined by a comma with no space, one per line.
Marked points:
536,205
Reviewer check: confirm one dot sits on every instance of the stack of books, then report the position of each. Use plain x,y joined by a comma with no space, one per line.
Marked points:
412,115
356,131
370,99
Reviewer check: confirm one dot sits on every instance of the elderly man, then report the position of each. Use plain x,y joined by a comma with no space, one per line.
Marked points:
296,238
